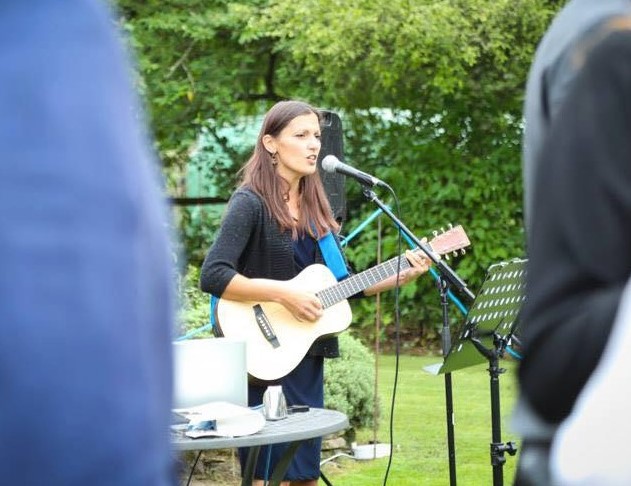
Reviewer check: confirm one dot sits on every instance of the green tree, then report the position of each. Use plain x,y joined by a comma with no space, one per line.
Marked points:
204,62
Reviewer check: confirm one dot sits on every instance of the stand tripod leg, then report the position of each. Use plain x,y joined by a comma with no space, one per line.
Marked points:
498,448
446,342
497,456
451,446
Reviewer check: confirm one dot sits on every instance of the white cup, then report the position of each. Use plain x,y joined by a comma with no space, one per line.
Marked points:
274,403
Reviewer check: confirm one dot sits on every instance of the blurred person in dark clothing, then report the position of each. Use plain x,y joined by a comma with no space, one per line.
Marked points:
549,79
551,76
578,241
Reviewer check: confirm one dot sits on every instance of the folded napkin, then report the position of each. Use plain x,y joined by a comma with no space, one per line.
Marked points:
221,419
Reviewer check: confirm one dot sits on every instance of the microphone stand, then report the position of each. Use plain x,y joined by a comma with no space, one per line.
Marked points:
445,270
447,277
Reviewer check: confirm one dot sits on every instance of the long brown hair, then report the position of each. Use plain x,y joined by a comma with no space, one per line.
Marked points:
259,175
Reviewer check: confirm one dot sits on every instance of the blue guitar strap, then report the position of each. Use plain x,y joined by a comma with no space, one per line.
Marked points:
333,256
213,305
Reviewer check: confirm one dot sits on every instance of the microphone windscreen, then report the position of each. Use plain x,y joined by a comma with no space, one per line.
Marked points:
330,163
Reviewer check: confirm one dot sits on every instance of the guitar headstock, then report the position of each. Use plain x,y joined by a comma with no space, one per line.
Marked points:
450,241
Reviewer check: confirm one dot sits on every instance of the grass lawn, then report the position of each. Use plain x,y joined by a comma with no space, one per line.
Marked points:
419,430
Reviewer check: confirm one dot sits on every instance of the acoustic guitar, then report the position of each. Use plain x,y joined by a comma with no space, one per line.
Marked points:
276,342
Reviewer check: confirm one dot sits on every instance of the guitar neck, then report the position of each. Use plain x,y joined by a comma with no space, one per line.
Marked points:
449,241
361,281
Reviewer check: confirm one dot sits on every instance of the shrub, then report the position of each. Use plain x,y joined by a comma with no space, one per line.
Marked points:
193,311
349,383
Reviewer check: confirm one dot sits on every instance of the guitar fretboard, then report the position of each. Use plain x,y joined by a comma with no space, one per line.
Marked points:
361,281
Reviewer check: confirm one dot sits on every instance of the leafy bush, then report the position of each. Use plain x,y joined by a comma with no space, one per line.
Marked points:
349,383
193,305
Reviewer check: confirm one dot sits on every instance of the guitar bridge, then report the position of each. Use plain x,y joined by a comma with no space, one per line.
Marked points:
265,326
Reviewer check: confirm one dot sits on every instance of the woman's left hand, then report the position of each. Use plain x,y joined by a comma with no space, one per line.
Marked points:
419,265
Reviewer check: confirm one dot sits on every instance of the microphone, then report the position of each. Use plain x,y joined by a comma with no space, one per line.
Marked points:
332,164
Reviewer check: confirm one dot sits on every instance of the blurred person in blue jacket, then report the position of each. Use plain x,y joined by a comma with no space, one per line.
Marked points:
85,267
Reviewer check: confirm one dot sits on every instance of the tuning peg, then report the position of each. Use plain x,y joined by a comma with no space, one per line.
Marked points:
451,226
455,253
463,251
446,256
435,233
442,230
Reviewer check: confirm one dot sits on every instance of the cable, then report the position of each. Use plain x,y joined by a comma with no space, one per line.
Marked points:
513,353
190,476
194,332
397,327
267,464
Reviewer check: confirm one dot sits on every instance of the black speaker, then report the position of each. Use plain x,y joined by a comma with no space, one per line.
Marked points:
333,144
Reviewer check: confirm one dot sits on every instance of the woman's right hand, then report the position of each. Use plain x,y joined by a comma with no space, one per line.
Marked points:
304,306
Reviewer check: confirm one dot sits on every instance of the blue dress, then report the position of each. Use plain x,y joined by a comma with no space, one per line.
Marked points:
303,386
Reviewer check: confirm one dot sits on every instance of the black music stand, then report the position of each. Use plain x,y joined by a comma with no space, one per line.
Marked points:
489,329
